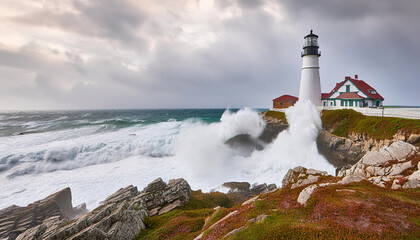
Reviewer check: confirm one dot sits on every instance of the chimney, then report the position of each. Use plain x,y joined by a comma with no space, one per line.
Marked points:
356,76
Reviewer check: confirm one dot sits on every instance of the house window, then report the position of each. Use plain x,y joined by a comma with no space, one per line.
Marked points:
331,103
281,104
351,103
325,103
347,88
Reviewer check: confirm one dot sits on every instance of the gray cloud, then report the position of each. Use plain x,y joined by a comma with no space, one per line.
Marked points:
110,19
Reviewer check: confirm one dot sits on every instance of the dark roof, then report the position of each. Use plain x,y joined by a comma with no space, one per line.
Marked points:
286,98
311,34
349,95
361,85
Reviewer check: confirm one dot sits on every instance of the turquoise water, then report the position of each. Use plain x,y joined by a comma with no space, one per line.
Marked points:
15,123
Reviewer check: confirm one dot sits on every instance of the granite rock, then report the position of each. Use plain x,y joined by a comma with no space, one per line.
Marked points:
300,176
14,220
120,217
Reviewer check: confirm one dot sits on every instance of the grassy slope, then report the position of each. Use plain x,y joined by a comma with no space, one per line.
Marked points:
355,211
345,121
279,115
187,222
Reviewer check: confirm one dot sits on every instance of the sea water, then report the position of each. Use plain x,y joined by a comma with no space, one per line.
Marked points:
97,152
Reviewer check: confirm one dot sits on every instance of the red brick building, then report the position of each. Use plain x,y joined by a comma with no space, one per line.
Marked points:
284,101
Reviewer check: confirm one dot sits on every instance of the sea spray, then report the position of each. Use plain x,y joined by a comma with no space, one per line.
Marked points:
203,153
202,149
293,147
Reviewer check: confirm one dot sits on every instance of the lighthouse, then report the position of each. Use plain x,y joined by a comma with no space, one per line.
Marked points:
310,84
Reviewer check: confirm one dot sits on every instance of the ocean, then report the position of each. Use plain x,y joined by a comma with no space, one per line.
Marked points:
97,152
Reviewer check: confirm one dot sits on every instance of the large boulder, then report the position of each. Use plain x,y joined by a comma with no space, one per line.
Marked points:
413,180
160,198
300,176
14,220
122,194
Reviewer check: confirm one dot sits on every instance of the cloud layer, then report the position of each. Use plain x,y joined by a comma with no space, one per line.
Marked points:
85,54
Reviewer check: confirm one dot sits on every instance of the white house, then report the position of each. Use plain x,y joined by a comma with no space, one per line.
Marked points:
352,92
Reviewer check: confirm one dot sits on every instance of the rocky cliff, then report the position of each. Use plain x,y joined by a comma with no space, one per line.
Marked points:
14,220
120,216
343,152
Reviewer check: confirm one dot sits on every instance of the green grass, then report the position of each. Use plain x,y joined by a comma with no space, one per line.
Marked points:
200,200
177,224
187,221
346,121
278,115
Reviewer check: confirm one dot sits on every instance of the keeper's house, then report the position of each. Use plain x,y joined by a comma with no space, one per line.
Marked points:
352,92
284,101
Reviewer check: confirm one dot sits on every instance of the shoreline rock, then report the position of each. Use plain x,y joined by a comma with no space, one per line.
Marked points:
120,216
14,219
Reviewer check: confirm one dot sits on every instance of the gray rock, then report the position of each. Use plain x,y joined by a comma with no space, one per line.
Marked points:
316,172
245,144
339,172
340,151
14,220
412,184
398,168
242,190
350,179
381,163
413,180
292,175
400,150
306,194
414,138
122,194
302,182
300,176
376,158
120,217
237,186
155,186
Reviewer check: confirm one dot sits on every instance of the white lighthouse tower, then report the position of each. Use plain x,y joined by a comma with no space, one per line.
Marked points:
310,84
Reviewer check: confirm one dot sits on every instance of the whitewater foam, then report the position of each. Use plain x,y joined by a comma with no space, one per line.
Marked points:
203,152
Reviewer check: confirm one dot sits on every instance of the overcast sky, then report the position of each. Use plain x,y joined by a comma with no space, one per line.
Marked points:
96,54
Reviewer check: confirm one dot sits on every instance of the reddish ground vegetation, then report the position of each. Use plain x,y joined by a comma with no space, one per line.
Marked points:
355,211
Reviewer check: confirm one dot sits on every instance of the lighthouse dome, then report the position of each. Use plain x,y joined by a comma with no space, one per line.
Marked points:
311,45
